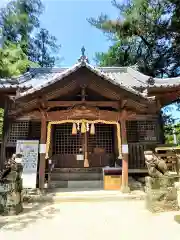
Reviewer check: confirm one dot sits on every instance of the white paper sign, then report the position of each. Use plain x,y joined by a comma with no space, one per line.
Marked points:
29,149
125,148
80,157
42,148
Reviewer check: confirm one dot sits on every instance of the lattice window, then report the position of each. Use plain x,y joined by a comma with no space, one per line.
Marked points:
64,141
35,130
142,131
103,138
19,131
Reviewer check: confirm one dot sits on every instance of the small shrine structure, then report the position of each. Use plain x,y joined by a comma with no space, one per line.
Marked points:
84,116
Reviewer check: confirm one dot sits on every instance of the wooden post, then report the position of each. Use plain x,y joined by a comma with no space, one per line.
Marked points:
161,129
124,186
42,163
160,133
5,132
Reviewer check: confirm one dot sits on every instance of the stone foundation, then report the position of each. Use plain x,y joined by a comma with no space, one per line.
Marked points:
177,186
11,198
161,193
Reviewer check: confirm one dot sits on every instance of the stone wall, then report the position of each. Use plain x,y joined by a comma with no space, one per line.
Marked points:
161,194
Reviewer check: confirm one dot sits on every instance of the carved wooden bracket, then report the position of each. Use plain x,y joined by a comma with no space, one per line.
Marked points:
123,103
42,103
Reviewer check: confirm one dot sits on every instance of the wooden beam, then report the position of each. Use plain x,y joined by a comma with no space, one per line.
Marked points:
113,104
52,104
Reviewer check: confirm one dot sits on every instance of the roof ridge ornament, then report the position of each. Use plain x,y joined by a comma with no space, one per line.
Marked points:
83,58
151,81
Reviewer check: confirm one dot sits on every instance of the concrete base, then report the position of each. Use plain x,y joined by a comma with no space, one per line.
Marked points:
125,189
177,186
84,195
77,184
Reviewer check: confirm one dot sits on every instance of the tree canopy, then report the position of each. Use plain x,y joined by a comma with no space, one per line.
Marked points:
42,47
21,35
147,32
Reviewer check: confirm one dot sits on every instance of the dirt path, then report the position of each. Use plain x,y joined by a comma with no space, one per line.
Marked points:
90,221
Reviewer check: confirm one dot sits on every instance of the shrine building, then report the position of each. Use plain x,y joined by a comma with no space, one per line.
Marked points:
85,116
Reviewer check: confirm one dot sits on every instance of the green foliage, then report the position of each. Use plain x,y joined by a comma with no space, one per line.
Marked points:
13,61
118,54
18,21
41,48
19,50
144,27
19,18
1,121
169,129
146,33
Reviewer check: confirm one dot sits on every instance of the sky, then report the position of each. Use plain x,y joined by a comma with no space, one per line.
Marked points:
67,21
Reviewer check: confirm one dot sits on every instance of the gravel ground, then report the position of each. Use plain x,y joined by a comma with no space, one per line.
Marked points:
122,220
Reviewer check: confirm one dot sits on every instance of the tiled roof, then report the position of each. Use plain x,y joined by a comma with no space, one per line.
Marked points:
125,77
122,75
8,83
166,82
43,77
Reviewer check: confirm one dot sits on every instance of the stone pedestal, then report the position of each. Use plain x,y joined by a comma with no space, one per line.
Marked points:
11,190
11,198
161,193
177,186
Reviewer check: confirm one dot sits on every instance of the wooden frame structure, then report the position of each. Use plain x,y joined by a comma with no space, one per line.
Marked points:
84,93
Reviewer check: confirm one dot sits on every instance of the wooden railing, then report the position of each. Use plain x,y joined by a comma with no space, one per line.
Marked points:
136,154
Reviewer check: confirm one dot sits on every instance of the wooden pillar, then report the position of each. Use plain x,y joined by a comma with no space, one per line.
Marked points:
124,186
5,132
161,136
42,163
161,128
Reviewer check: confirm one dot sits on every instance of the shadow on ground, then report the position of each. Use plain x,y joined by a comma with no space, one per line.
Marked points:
32,213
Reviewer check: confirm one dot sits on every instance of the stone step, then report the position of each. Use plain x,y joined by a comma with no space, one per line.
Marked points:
83,195
77,184
76,176
77,170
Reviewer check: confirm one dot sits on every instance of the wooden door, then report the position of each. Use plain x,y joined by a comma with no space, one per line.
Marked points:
100,145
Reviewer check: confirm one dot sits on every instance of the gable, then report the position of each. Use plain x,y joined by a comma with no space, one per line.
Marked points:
64,75
68,87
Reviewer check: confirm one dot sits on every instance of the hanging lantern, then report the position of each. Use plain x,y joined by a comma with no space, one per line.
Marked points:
74,129
83,127
92,130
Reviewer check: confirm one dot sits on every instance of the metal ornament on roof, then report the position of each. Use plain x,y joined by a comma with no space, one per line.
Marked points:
83,57
151,81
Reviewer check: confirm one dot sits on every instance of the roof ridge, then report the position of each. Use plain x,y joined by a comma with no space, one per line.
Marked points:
139,73
128,88
74,68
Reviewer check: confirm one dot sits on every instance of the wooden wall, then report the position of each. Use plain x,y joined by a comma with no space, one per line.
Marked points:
142,135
